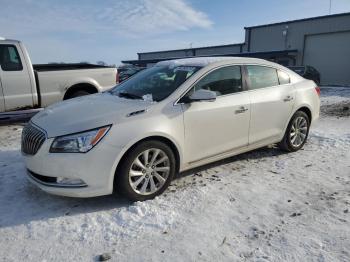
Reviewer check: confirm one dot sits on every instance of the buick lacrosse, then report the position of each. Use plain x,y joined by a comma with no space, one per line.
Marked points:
175,116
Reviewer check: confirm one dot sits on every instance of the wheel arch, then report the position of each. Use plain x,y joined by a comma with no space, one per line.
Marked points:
306,110
156,137
89,87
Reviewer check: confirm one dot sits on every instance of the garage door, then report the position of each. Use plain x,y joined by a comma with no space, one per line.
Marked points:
330,55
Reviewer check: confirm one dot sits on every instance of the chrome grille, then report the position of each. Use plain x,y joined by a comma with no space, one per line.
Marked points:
32,139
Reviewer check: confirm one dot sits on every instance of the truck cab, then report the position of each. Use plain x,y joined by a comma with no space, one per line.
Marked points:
17,81
27,86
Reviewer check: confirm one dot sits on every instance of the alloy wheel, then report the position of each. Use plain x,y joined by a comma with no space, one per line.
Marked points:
298,131
149,171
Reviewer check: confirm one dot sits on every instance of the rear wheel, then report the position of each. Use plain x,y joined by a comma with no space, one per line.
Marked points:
296,133
146,171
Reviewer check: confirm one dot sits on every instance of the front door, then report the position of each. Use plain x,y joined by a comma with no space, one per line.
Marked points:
15,80
213,128
272,100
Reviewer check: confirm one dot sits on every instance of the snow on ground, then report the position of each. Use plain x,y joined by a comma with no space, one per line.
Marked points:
260,206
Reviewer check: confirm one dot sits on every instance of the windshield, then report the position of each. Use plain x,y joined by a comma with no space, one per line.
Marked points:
156,83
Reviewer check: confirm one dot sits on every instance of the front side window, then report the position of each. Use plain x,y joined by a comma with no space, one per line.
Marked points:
283,77
155,83
9,58
262,76
222,81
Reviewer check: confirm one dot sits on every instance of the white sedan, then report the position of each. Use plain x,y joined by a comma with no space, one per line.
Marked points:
172,117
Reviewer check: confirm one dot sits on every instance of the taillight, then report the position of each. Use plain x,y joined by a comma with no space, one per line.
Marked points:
318,90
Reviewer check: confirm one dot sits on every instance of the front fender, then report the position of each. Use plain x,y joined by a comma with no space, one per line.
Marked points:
138,139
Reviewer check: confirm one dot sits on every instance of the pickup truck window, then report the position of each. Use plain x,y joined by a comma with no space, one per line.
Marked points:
9,58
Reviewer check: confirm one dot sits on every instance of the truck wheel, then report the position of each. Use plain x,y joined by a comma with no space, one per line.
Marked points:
78,93
146,171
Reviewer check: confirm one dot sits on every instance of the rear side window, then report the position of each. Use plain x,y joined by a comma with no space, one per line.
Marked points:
223,81
9,58
283,77
262,76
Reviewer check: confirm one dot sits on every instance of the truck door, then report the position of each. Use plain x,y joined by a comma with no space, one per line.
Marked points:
2,102
15,80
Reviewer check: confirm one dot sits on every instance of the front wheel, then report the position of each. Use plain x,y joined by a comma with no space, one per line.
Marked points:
296,133
146,171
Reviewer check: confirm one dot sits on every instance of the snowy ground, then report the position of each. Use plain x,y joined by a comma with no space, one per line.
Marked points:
260,206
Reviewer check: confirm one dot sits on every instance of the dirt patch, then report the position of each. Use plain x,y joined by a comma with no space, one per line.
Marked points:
340,109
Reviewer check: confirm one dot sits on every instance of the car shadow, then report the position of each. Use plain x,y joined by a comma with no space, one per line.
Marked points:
22,203
264,152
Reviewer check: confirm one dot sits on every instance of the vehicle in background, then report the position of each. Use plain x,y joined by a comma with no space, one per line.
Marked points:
26,86
174,116
126,72
307,72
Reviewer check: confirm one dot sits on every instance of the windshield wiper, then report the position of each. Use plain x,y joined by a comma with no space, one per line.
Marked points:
129,95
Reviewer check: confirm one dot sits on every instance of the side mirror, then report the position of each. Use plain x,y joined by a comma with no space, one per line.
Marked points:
202,95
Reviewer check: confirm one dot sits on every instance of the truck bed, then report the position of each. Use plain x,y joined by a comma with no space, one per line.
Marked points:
71,66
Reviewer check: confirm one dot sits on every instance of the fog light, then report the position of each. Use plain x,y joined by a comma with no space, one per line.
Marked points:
70,181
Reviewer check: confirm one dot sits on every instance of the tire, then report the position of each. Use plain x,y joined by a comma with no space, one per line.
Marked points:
301,122
134,180
79,93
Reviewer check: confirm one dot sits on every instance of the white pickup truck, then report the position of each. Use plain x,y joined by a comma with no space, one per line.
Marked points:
26,86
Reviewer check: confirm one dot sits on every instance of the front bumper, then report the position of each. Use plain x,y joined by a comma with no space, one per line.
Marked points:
95,168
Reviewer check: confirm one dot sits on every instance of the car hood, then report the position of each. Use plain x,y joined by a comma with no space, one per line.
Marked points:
84,113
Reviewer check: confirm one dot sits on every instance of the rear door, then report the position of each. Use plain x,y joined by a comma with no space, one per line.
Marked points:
15,80
272,99
213,128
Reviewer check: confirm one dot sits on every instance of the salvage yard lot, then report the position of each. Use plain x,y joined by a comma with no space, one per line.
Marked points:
260,206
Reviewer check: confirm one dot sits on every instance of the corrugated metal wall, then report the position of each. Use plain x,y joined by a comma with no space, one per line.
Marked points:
288,36
294,36
330,54
201,51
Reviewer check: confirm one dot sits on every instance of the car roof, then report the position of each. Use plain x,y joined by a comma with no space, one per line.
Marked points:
8,41
204,61
221,61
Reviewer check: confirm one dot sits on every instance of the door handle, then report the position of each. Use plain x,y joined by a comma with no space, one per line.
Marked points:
288,98
242,109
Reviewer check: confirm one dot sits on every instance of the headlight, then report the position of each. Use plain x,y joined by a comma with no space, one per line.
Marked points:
80,142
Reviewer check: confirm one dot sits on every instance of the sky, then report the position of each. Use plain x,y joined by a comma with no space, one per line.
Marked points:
116,30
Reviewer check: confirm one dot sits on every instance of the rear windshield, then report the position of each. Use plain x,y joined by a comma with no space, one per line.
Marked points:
155,83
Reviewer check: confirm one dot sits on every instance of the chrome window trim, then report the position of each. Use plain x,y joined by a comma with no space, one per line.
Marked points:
199,79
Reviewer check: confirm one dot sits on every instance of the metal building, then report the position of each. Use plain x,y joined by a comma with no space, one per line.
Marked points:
322,42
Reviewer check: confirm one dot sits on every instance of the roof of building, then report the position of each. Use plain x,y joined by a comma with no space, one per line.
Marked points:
264,54
300,20
192,48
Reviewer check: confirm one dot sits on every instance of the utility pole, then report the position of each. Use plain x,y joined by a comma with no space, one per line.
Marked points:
330,7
